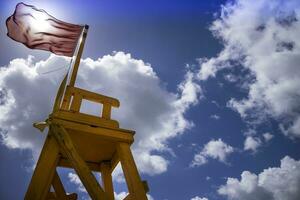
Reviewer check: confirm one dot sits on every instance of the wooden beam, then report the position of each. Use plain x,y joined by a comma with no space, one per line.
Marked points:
106,111
72,196
117,135
45,168
87,178
128,197
78,56
146,186
58,187
132,177
63,162
86,119
52,196
107,180
60,94
95,97
114,161
76,103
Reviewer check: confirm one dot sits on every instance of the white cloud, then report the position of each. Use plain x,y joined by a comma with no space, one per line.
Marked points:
75,179
268,136
156,114
216,117
278,183
252,143
121,195
261,38
231,78
80,187
215,149
199,198
198,160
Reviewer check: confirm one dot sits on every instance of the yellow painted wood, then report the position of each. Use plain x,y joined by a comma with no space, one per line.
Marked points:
76,103
146,186
88,180
44,170
86,119
52,196
64,162
60,94
111,134
59,189
106,111
92,96
128,197
107,180
72,196
132,177
65,105
78,57
114,161
84,142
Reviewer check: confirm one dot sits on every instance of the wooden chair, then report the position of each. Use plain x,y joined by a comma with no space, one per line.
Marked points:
85,143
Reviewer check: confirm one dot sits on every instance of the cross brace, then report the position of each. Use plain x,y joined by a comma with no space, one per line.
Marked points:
59,144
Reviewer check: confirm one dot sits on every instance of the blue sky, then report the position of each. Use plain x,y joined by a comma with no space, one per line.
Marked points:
218,82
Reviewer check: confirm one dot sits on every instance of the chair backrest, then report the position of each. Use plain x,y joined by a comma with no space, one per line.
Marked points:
74,96
69,100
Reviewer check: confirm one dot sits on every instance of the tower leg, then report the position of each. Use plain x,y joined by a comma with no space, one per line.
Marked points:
44,170
88,179
58,187
133,180
107,180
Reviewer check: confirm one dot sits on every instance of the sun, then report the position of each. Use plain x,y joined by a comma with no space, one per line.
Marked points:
39,22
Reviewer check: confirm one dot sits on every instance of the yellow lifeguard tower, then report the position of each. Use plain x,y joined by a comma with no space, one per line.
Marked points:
85,143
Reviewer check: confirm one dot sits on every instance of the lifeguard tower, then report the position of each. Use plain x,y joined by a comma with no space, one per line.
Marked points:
85,143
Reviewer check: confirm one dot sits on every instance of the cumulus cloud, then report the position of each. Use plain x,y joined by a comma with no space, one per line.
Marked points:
27,98
268,136
216,117
278,183
76,180
122,195
215,149
156,114
262,39
252,143
199,198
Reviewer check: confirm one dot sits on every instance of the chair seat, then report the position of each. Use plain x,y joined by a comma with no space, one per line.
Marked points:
94,143
83,118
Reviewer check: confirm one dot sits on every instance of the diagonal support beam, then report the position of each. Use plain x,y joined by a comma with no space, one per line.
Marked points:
88,179
135,186
58,187
44,171
107,180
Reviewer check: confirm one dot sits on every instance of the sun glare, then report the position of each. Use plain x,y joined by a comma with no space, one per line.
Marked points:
40,22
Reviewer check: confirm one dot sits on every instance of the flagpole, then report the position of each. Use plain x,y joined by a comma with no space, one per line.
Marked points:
78,57
70,82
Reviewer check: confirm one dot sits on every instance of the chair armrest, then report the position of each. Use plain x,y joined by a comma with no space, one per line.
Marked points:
95,97
80,94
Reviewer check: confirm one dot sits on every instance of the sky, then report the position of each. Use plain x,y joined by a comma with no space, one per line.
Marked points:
211,88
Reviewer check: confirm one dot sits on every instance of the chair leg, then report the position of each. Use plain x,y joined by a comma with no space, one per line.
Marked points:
58,187
133,180
107,180
88,179
42,177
